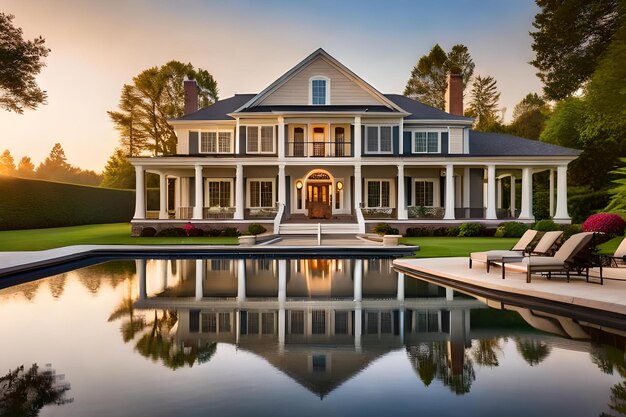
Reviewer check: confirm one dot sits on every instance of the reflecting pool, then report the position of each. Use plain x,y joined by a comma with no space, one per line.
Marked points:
306,337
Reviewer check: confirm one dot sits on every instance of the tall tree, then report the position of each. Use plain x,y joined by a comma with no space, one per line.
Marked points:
429,77
7,163
55,166
571,37
26,168
483,104
529,117
118,172
20,62
157,94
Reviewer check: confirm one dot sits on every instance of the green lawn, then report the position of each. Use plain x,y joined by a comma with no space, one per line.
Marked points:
103,234
432,247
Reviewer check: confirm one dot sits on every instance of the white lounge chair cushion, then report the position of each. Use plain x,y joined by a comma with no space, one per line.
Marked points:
495,255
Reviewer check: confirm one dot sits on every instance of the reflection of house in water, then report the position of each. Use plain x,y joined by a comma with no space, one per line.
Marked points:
320,321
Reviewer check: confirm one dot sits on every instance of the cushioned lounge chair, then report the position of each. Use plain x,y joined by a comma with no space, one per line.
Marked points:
571,255
618,259
544,246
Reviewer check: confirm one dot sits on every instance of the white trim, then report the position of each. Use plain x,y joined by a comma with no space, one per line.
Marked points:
436,193
207,180
319,78
378,126
259,138
248,199
392,194
217,132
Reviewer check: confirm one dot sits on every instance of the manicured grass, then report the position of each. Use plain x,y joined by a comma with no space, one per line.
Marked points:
96,234
432,247
610,246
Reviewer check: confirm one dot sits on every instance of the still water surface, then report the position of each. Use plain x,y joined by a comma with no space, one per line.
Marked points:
266,337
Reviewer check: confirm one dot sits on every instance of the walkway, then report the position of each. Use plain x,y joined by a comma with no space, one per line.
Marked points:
454,272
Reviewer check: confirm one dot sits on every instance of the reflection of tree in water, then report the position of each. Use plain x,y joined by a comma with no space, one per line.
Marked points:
29,289
532,350
485,352
430,360
133,324
113,272
610,359
56,284
156,344
26,392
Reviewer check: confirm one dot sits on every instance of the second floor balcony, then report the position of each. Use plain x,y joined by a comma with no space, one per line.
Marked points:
319,149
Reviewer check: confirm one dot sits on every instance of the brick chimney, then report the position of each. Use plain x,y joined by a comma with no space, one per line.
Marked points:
454,94
191,96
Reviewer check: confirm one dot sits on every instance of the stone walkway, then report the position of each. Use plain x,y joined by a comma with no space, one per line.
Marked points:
609,297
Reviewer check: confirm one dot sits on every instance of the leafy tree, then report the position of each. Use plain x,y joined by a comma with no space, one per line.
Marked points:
483,104
118,172
56,168
529,117
26,168
20,62
7,164
533,351
429,77
156,95
571,37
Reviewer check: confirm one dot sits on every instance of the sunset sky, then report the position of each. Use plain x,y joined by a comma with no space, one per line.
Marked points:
97,46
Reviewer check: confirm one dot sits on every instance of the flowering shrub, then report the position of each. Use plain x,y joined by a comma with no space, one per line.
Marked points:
188,228
611,224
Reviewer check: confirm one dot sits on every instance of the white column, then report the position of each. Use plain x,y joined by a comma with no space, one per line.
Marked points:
526,212
466,192
200,271
140,266
449,213
551,192
239,193
282,191
491,192
402,212
449,294
140,194
164,273
357,137
561,197
237,326
237,133
512,197
281,328
401,138
197,209
499,193
241,280
401,324
358,189
163,196
400,286
281,137
358,280
282,280
358,326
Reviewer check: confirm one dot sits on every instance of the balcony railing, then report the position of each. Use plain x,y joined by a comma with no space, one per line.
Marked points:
379,213
319,149
261,213
421,212
186,213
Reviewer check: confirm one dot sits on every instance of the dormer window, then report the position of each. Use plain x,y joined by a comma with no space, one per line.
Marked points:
319,91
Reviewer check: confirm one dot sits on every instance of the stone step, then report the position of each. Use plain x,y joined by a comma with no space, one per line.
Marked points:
312,228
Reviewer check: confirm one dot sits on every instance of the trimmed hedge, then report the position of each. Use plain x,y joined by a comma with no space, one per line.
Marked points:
34,204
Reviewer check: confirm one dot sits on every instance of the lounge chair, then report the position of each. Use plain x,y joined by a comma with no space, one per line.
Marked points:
619,257
544,246
574,254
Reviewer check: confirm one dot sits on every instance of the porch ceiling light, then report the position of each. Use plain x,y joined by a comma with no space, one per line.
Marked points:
339,185
299,185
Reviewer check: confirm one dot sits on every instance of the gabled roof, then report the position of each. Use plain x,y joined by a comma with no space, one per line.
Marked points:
500,144
220,109
422,111
306,61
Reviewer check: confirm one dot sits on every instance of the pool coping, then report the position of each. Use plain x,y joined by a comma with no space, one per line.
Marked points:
591,304
14,263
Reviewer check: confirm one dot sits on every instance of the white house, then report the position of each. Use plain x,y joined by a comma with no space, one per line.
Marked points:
321,145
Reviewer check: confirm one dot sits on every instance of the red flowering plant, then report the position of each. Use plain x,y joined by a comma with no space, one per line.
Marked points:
610,224
188,228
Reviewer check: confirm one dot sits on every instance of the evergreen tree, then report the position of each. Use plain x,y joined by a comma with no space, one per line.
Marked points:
127,121
483,104
7,164
529,117
429,77
118,172
55,166
26,168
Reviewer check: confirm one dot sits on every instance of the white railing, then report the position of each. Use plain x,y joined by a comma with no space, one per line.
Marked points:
319,234
278,218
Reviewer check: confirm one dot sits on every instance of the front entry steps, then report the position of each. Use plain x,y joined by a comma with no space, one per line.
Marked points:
312,228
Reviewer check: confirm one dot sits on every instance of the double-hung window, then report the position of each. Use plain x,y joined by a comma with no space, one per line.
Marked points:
219,193
261,193
260,139
426,142
424,193
378,139
378,193
319,90
216,141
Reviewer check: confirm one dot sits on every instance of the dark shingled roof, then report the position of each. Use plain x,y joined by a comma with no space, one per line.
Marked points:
220,109
422,111
500,144
316,108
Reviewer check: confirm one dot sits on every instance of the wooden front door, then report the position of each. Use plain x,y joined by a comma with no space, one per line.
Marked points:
319,200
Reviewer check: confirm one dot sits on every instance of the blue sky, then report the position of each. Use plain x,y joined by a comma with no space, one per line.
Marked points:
97,46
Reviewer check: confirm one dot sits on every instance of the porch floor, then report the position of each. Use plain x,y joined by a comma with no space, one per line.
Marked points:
337,218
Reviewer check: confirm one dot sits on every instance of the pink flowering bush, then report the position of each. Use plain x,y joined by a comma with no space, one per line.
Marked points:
610,224
188,228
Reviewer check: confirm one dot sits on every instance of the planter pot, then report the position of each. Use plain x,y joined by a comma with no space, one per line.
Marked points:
391,240
247,240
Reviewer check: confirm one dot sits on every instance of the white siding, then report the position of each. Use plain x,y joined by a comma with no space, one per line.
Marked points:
182,147
342,89
456,140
